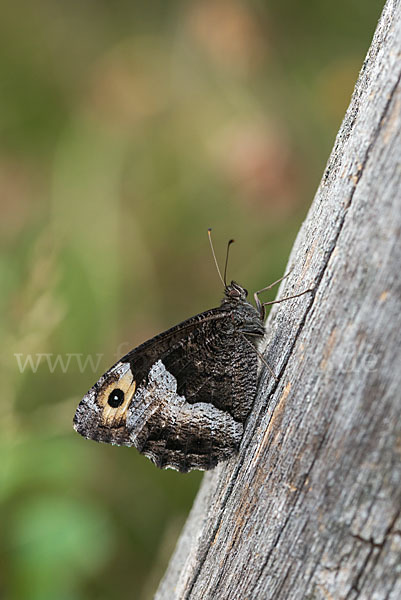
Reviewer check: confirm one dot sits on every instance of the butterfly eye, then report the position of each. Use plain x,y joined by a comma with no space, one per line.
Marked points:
116,398
236,291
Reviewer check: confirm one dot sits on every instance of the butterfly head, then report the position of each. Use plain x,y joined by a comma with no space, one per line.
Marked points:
234,291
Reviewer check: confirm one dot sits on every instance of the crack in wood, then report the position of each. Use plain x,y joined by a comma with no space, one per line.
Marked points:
373,546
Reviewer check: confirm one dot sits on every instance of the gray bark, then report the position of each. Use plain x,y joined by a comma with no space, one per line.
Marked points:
310,508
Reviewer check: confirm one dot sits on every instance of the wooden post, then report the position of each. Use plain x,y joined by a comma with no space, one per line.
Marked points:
310,508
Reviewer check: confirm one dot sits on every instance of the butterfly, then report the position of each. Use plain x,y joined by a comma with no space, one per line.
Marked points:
182,398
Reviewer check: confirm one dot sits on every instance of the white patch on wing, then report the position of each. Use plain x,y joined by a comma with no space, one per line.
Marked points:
160,396
160,391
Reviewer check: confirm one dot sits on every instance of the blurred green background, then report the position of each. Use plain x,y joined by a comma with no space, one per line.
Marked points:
128,129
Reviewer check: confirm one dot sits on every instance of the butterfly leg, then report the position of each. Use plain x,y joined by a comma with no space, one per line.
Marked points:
259,304
260,355
287,298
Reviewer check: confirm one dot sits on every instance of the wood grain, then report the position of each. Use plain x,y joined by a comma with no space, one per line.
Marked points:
310,508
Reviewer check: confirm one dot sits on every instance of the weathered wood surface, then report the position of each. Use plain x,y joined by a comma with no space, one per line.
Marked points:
311,506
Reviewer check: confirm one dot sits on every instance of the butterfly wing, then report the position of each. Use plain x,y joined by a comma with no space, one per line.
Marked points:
180,398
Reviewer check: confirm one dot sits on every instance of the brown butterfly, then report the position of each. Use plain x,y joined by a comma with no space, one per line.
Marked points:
182,397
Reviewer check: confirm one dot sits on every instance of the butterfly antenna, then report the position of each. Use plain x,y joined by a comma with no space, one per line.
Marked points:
226,263
209,232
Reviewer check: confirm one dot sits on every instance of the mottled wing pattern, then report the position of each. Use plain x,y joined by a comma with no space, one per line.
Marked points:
182,397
